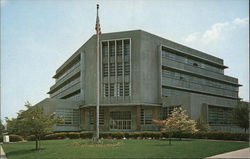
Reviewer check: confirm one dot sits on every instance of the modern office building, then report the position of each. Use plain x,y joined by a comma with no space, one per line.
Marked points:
142,77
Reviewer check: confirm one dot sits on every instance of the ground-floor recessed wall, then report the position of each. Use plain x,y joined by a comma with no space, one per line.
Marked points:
120,118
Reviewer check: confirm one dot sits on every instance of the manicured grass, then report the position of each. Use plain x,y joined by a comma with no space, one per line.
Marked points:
187,148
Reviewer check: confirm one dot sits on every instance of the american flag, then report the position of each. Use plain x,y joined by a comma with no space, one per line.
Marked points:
98,26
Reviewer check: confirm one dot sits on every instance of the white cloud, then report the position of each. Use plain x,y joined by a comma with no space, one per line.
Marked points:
243,21
216,31
192,37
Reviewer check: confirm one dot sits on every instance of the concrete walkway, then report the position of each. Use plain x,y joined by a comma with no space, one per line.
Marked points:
2,154
243,153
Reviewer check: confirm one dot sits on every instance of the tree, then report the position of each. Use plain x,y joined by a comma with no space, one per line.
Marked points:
32,122
241,115
2,128
201,125
178,122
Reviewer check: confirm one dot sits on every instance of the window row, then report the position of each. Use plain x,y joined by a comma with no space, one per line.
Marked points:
116,69
220,116
194,79
170,92
68,85
191,61
116,89
75,97
69,70
69,116
117,47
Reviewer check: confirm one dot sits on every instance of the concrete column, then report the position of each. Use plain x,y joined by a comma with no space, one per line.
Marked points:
138,118
204,112
156,112
94,125
106,119
82,119
123,68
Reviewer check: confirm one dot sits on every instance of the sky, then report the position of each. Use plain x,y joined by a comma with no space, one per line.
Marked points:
37,36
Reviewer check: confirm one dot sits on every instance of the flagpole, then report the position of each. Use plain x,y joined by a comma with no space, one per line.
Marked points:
97,74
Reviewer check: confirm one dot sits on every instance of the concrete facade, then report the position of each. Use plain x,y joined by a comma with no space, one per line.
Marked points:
142,77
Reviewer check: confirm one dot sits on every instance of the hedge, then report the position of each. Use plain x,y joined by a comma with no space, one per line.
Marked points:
61,135
216,135
13,138
86,135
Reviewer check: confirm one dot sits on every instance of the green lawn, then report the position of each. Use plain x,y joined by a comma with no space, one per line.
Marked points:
187,148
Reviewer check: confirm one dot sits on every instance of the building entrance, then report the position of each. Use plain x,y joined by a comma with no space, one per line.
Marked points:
120,120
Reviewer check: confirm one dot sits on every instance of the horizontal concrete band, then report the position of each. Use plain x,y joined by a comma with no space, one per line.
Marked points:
122,104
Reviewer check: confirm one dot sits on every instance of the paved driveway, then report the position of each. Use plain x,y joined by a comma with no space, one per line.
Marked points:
243,153
2,154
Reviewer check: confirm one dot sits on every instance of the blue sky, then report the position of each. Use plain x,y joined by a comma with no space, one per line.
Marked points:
38,36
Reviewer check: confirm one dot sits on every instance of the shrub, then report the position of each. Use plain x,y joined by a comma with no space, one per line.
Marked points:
61,135
133,135
15,138
155,135
1,138
86,135
31,138
216,135
118,135
73,135
106,135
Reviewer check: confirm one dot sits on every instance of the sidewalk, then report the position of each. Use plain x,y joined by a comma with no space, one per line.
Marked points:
2,154
243,153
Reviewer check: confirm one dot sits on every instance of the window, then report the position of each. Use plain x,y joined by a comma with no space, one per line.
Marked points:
112,69
71,68
195,63
115,68
91,116
112,48
126,47
69,116
198,80
106,89
104,49
142,117
120,89
76,117
126,89
119,69
219,115
119,47
75,96
101,116
127,68
68,85
166,73
120,120
105,70
146,116
112,89
167,111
